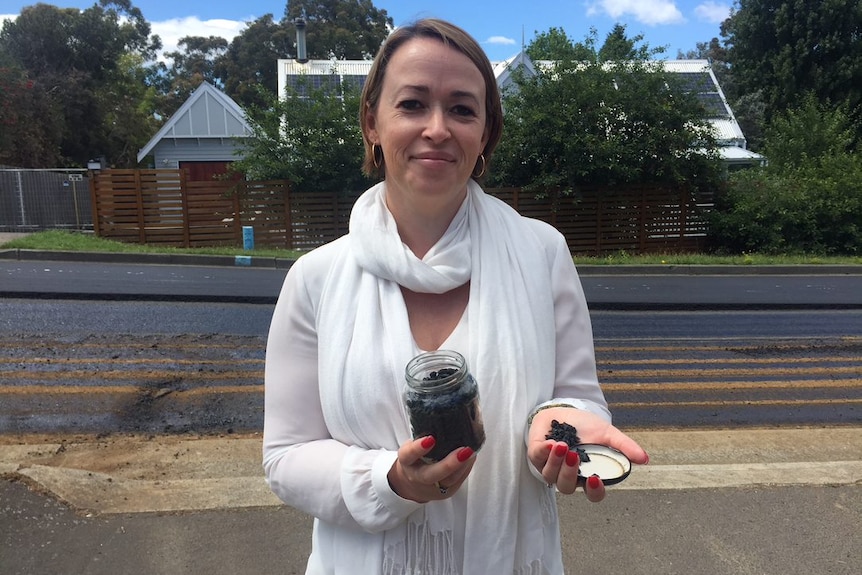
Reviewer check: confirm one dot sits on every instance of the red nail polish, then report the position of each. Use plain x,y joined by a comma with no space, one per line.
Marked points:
594,482
464,454
572,458
561,449
428,442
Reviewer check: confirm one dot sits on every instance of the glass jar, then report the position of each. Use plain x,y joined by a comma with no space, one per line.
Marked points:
442,399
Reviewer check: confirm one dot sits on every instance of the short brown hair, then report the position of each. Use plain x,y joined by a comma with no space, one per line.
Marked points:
453,37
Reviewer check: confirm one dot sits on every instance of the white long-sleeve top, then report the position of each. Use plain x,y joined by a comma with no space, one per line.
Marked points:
345,486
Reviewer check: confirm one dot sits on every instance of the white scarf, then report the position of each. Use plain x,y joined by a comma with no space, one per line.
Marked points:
365,342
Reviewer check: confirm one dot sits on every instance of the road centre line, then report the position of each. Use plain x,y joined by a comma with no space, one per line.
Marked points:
143,361
732,361
17,343
614,362
604,345
604,373
672,373
124,390
728,403
167,376
734,385
609,386
172,377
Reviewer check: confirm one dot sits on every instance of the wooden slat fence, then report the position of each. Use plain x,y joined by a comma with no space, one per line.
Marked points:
161,207
635,219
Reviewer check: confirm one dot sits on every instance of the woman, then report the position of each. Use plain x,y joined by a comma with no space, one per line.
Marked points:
431,262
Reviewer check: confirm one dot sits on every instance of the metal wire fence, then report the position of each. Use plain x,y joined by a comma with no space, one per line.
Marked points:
47,199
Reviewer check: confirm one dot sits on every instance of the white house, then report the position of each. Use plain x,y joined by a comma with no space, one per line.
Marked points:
697,75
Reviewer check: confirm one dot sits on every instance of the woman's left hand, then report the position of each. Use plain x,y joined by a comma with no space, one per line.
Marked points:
559,465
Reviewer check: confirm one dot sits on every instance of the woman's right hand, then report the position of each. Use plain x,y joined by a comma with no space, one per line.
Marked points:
411,478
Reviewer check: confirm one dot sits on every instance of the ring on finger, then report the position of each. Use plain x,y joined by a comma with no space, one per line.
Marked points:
440,488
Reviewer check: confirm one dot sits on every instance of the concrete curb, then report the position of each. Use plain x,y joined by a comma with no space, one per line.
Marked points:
155,259
705,270
285,263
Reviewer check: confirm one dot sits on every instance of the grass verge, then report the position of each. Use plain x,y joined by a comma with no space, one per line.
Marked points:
64,241
58,240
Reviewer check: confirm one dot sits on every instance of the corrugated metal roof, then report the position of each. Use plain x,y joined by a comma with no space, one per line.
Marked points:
321,67
727,130
737,154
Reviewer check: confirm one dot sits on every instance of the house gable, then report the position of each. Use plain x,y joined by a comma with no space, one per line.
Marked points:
208,119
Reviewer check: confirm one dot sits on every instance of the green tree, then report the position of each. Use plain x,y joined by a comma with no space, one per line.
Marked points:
194,63
555,44
808,135
341,29
603,123
130,104
808,199
72,57
618,47
787,48
197,58
29,134
250,60
310,137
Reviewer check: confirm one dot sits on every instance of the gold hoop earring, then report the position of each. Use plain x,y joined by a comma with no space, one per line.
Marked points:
482,171
377,162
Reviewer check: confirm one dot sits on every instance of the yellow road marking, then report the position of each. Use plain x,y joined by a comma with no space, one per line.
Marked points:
732,385
144,361
719,372
133,374
122,390
732,361
163,344
604,374
740,403
609,388
609,363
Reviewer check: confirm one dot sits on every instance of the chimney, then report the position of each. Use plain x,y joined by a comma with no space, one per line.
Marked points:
300,40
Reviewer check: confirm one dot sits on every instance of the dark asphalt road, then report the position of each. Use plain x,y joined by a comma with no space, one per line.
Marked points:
656,287
756,520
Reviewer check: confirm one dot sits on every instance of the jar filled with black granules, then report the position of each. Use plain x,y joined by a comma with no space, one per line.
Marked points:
443,401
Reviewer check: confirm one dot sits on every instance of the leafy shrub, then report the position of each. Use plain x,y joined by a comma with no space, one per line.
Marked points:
602,123
311,137
807,200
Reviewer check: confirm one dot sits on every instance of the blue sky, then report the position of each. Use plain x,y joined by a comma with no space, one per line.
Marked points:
499,25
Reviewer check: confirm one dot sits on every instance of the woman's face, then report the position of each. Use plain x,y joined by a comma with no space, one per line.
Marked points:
430,123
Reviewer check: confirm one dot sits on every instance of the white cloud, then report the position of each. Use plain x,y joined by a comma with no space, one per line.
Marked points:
650,12
501,40
170,31
713,12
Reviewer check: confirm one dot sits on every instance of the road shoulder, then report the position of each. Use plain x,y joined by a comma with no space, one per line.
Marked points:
139,474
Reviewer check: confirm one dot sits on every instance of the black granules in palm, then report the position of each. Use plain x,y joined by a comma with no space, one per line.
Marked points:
569,434
452,417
